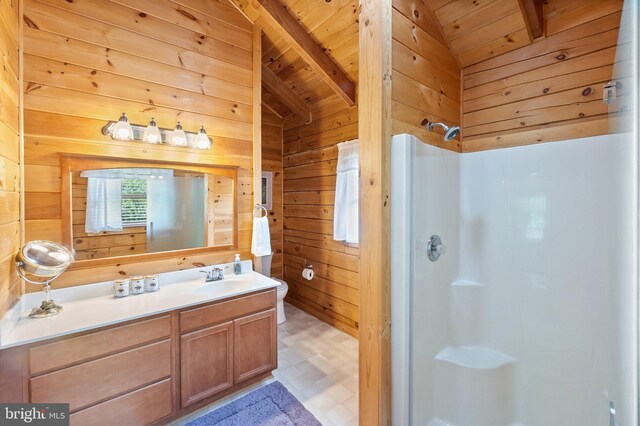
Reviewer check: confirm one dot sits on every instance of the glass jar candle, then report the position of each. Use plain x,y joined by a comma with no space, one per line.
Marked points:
151,283
137,284
121,287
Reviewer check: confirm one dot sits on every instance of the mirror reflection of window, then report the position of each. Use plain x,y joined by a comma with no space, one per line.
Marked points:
134,202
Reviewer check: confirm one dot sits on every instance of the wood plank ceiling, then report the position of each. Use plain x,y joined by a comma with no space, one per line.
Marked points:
474,30
480,29
333,26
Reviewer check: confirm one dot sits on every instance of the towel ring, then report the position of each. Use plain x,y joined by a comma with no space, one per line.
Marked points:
259,208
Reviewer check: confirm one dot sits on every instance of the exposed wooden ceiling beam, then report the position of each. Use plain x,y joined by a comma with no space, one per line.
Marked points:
532,11
277,87
277,16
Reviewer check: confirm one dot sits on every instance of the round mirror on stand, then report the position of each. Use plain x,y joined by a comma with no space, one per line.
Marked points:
40,262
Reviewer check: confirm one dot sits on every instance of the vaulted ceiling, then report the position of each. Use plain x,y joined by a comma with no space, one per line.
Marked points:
333,27
474,31
480,29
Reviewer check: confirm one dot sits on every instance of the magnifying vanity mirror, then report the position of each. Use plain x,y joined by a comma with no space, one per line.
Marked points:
115,208
41,262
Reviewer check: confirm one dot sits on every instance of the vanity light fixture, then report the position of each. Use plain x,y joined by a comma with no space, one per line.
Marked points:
178,137
123,130
152,133
202,141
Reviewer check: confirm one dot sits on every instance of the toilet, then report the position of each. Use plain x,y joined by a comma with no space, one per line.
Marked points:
264,267
280,294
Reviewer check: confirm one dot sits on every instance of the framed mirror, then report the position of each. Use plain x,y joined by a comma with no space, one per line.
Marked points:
113,208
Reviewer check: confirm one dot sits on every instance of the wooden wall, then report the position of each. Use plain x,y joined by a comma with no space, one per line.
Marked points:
309,161
272,162
550,90
426,76
10,152
87,62
310,157
220,211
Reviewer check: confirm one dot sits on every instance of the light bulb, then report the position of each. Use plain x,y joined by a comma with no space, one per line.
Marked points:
123,130
178,136
202,140
152,133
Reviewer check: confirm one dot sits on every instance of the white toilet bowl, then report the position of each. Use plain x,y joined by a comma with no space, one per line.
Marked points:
264,267
281,293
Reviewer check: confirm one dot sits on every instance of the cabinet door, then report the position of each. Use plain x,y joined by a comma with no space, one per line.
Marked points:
255,345
206,362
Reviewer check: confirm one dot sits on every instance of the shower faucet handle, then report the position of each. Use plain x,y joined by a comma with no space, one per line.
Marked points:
435,248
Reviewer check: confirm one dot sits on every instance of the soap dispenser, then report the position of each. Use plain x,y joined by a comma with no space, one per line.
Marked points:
237,266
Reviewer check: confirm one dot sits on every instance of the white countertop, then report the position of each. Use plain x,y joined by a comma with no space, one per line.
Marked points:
93,305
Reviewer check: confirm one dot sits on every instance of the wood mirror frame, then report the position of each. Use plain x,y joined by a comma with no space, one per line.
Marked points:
74,163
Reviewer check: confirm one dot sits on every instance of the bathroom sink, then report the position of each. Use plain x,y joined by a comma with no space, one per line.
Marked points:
232,283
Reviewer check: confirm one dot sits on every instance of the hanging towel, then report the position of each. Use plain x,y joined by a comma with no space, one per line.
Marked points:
261,240
345,216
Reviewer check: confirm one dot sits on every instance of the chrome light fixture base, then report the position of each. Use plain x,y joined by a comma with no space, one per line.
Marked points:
138,134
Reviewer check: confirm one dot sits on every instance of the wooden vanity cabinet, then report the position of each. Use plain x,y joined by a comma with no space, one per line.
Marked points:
230,349
206,362
255,347
149,370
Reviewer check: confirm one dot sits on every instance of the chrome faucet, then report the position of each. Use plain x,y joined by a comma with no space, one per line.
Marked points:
216,274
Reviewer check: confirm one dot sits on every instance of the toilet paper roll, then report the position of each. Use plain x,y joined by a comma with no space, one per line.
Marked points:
307,274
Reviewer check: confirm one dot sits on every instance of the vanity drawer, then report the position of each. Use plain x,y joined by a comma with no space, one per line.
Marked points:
139,407
225,311
71,351
104,378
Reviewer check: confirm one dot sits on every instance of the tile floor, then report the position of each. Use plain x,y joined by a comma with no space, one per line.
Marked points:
318,364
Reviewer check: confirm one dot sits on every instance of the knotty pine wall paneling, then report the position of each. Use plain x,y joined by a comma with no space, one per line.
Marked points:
310,159
272,162
10,152
426,75
87,62
550,90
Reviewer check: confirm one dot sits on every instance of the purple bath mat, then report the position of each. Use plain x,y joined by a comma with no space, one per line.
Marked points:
271,405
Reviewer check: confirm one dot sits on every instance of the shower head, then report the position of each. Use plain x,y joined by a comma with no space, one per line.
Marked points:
449,132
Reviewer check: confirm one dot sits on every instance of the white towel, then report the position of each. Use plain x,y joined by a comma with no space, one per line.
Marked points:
261,240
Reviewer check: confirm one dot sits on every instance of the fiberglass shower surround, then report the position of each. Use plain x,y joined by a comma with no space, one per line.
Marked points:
521,321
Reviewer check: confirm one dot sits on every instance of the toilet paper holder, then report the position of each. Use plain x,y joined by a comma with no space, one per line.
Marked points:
307,272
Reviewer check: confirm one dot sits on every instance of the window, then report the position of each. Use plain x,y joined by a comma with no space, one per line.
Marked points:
134,202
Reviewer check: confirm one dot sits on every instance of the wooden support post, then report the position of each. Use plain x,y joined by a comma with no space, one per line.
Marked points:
375,180
257,119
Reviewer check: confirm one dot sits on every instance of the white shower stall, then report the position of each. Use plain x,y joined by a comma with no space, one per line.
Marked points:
530,316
